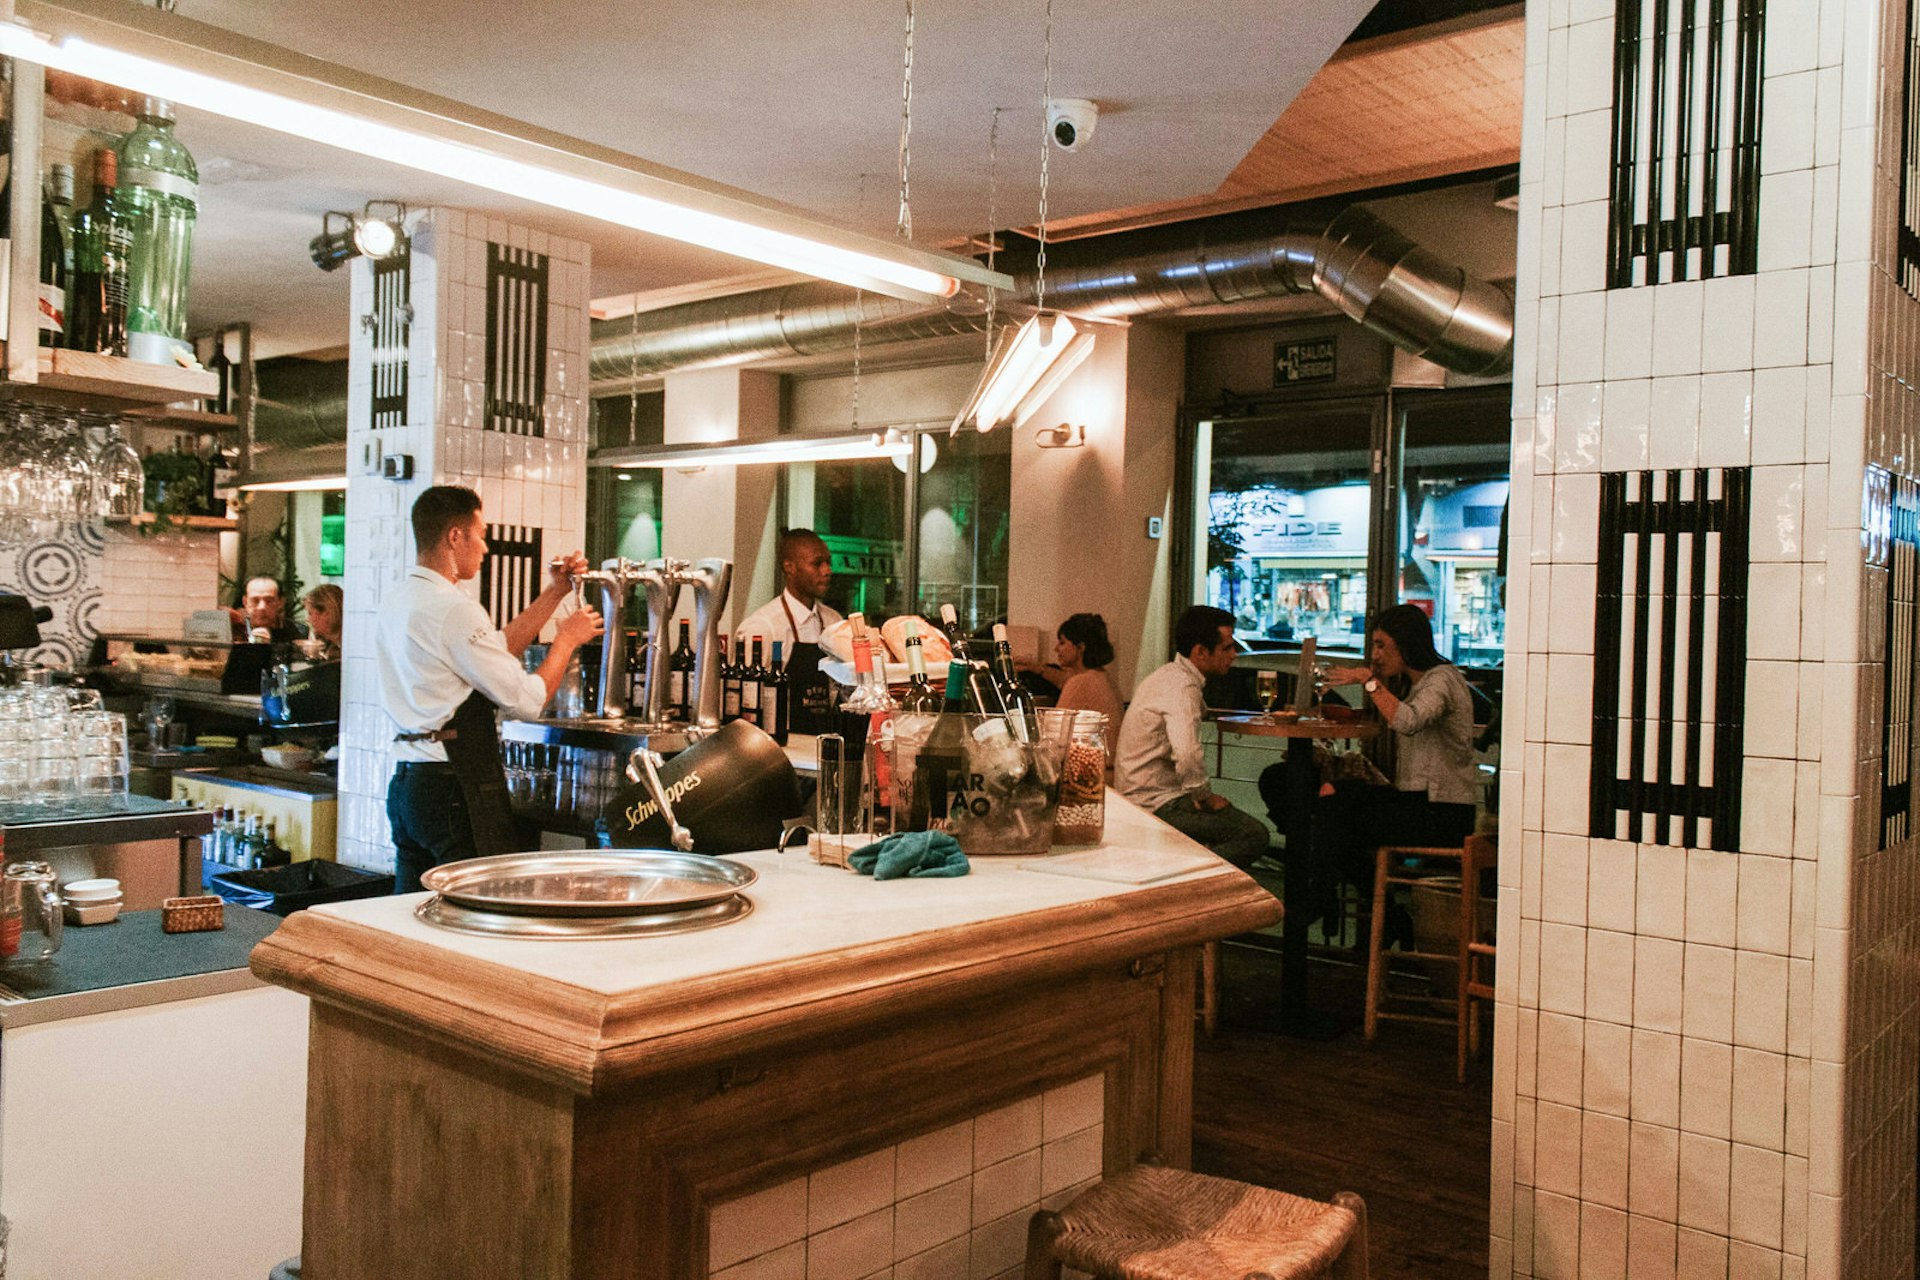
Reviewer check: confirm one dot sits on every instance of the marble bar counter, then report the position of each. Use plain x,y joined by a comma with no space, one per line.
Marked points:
653,1107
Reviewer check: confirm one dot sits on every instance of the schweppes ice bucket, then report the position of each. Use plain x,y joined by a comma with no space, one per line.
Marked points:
732,790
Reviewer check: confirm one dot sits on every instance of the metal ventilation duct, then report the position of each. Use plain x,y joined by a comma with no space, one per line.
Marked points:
1362,266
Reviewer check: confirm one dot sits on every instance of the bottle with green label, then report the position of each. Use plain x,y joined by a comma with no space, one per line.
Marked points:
159,195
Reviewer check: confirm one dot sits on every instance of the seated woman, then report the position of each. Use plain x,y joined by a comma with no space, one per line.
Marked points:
326,611
1081,652
1427,703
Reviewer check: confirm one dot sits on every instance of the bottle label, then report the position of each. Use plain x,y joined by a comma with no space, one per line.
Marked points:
676,688
53,308
730,704
750,699
167,184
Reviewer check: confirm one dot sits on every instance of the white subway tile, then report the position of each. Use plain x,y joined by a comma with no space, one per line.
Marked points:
1582,332
1626,416
1728,339
852,1250
1759,1098
1786,221
1651,1247
1556,1161
1701,1255
1610,885
1563,961
1609,976
1704,1172
1726,419
1708,993
1653,1184
1657,989
1787,123
1760,1001
756,1224
1608,1068
1754,1214
1706,1087
1660,894
842,1192
1678,328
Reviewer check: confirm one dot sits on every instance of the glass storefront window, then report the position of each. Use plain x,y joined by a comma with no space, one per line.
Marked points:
966,514
1452,525
859,509
623,513
1285,509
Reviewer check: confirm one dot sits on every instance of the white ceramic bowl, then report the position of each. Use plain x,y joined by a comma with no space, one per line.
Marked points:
294,758
93,912
103,890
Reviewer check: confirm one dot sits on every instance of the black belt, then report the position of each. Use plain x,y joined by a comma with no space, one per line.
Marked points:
423,766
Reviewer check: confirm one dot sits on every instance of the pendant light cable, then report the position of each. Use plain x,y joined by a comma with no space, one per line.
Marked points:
993,222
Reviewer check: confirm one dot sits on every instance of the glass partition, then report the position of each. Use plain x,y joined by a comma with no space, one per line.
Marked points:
1453,520
1284,505
966,514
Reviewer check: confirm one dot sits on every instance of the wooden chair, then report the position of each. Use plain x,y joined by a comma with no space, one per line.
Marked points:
1398,864
1479,854
1207,1007
1151,1223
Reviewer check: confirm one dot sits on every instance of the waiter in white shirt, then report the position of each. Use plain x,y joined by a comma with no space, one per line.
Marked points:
796,618
443,670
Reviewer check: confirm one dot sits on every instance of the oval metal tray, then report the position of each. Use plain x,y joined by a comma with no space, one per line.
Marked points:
605,882
505,924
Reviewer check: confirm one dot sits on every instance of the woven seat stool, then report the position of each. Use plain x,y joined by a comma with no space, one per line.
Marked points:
1151,1223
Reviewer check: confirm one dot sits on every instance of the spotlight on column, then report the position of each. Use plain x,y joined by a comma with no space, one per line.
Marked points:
376,232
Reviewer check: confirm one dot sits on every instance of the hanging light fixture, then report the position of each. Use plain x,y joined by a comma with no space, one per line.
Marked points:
795,448
206,68
1028,363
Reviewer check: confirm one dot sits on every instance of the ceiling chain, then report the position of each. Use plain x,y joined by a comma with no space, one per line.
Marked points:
993,222
1046,153
905,224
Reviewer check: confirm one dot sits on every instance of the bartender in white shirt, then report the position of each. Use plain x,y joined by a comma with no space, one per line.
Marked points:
796,618
443,669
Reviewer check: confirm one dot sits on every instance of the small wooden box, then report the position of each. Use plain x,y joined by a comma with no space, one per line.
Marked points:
203,914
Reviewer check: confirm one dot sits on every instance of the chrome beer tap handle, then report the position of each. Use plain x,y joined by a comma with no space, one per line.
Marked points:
643,766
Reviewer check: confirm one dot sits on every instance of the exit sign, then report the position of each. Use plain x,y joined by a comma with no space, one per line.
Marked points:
1297,362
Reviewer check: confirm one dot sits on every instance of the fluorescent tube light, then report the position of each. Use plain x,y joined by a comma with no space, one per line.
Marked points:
1028,367
294,486
833,448
200,66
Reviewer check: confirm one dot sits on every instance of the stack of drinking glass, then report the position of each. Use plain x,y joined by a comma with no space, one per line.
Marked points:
59,750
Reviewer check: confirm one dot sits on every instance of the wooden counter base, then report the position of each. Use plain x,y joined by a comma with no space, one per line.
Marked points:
424,1161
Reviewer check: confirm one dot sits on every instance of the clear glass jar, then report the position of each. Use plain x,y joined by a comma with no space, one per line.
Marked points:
1082,816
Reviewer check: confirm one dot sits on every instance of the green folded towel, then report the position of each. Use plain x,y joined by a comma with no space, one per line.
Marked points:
910,853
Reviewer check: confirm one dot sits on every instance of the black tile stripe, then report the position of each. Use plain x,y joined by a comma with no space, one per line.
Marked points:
510,577
392,287
516,340
1643,796
1909,234
1665,198
1897,760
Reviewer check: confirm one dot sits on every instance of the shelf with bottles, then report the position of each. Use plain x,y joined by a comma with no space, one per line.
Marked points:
190,524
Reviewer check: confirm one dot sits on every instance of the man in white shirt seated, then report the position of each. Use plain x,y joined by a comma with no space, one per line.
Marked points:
1159,763
797,615
444,668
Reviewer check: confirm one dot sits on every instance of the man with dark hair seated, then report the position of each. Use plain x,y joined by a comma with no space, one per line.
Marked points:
1159,763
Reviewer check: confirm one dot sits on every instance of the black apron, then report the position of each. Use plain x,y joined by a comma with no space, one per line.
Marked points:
474,752
809,696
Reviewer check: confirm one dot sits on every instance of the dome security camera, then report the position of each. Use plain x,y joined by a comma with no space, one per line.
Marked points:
1071,121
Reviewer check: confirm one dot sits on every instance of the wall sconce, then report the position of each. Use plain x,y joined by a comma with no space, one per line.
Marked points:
1065,436
345,236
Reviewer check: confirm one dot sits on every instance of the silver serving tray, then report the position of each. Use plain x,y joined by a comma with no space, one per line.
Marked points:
606,882
505,924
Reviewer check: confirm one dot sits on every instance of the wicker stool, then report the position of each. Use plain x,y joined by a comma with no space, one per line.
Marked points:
1151,1223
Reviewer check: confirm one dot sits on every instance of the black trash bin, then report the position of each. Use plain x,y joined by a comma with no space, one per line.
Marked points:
285,890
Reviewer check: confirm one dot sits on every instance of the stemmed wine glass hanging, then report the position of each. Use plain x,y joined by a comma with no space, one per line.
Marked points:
61,466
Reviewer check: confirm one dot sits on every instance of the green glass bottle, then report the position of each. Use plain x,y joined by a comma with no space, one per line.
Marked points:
159,194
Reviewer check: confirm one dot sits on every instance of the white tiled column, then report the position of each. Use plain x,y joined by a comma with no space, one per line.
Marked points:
522,480
1705,1061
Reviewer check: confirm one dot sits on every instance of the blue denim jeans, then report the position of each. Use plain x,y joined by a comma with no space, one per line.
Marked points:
427,811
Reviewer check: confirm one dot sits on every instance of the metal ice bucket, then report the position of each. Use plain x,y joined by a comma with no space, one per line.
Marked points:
972,777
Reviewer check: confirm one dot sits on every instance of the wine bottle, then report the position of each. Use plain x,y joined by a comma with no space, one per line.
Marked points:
920,696
272,852
680,676
1021,710
982,691
220,366
940,770
778,692
53,273
161,198
730,681
97,320
752,676
60,194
